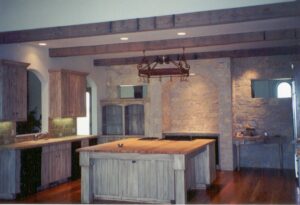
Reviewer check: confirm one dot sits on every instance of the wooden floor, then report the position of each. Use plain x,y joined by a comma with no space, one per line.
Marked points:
263,186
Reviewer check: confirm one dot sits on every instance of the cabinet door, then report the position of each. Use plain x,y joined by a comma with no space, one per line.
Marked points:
13,91
9,90
76,89
46,165
65,161
67,94
62,159
134,119
20,105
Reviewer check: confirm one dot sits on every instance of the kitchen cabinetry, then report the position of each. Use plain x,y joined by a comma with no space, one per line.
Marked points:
13,91
67,93
29,166
56,163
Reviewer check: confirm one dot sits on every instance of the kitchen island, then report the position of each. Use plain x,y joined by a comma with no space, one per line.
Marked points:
146,170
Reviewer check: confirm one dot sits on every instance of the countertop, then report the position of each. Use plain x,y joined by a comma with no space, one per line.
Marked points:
135,145
42,142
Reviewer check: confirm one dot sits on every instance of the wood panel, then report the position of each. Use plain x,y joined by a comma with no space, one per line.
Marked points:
223,16
13,81
56,163
151,176
112,123
146,180
286,50
9,173
67,93
134,119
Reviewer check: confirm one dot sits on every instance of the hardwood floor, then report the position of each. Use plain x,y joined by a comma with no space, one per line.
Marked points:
263,186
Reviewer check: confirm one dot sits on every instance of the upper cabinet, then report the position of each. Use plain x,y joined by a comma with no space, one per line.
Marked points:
67,93
13,90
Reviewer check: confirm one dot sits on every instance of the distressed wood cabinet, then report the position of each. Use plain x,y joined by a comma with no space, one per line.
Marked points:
24,170
13,90
67,93
56,163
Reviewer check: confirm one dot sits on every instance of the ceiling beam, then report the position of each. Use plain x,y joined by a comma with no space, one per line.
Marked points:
204,18
176,43
290,50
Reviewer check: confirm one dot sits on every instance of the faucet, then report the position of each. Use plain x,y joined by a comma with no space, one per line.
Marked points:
39,133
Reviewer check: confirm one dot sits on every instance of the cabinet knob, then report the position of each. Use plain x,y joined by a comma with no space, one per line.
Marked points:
133,161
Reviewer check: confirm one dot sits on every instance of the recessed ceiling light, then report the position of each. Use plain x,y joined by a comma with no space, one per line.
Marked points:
42,44
124,38
181,33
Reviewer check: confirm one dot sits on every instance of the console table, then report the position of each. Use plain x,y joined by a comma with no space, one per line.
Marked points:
246,140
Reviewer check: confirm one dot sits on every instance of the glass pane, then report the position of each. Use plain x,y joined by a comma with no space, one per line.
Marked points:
112,120
284,90
134,120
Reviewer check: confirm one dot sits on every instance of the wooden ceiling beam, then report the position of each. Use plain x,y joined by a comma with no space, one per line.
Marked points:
204,18
176,43
289,50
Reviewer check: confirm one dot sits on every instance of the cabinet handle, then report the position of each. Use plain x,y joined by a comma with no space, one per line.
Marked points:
133,161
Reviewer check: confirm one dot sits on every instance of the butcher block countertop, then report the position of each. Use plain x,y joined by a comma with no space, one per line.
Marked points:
157,146
46,141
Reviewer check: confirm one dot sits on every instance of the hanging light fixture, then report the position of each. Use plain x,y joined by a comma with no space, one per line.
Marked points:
159,67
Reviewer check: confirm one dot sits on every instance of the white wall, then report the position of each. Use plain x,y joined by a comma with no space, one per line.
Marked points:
28,14
40,63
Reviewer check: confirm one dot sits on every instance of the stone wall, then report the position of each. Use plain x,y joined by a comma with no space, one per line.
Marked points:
202,104
271,115
7,132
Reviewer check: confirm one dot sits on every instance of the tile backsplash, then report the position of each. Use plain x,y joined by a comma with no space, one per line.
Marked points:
7,132
59,127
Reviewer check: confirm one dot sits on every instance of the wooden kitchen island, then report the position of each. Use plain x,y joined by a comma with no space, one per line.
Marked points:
146,170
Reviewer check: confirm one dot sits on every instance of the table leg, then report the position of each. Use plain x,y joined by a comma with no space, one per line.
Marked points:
86,178
180,183
280,152
238,156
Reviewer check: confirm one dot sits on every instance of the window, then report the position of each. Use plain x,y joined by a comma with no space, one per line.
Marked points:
284,90
84,123
271,88
132,91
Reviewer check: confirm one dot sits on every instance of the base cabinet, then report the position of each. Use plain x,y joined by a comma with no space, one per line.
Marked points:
56,163
9,173
26,171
